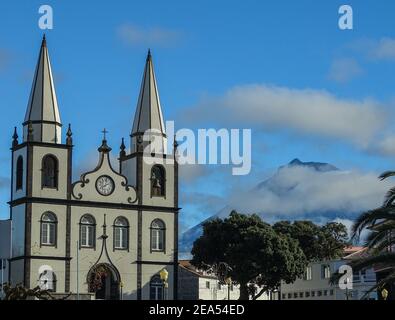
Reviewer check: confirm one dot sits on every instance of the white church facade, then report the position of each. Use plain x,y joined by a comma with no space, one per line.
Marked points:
113,234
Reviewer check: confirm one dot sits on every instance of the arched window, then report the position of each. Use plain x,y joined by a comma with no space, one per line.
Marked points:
121,233
156,288
87,231
19,173
49,172
48,229
47,281
158,181
158,232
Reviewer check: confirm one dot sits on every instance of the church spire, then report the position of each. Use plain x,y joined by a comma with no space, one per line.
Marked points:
42,110
149,112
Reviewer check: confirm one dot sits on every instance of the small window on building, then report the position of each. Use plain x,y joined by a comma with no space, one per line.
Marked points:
319,293
19,173
313,293
158,181
219,286
295,295
49,172
301,295
308,273
156,288
331,292
307,294
207,284
47,281
325,292
283,296
325,271
121,233
87,231
158,230
48,229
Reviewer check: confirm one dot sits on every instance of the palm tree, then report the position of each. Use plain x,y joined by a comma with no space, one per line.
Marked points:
381,223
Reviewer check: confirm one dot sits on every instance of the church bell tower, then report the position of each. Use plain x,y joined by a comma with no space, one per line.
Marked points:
41,182
154,172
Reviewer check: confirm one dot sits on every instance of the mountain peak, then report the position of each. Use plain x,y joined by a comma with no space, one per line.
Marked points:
319,166
296,162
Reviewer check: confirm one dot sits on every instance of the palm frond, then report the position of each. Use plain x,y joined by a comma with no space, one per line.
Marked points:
386,175
389,197
380,234
384,244
386,259
368,218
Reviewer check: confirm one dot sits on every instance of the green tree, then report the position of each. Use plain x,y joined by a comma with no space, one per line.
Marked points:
254,253
333,240
317,242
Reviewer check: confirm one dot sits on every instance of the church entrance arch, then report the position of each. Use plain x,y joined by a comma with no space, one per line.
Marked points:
104,280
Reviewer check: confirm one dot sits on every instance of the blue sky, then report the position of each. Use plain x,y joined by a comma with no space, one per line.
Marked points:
261,55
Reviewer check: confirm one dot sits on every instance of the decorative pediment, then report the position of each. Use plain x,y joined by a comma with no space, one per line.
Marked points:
104,184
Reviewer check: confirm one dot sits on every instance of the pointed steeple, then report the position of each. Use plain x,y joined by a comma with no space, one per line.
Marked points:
42,110
149,112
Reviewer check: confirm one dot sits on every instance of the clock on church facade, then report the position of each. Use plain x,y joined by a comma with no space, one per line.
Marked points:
120,220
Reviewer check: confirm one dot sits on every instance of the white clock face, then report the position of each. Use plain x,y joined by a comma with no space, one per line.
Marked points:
105,185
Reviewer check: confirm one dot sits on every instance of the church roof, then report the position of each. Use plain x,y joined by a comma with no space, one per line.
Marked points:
43,105
148,112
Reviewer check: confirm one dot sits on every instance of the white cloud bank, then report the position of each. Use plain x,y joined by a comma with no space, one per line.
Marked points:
306,111
296,192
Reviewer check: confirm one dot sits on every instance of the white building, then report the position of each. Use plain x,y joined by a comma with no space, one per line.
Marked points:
108,234
5,251
196,284
315,283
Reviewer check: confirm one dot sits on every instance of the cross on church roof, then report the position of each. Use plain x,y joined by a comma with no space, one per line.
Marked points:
104,133
104,147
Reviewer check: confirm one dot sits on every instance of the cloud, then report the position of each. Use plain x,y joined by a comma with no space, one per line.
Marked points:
384,49
375,49
344,69
386,145
305,111
296,192
149,37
